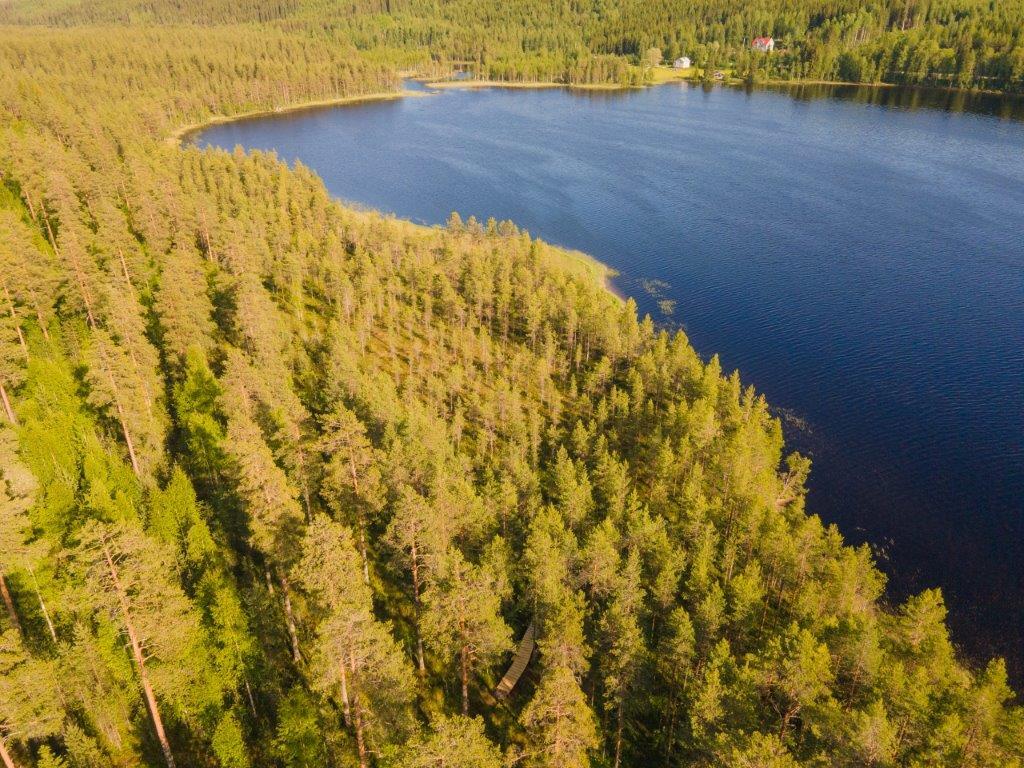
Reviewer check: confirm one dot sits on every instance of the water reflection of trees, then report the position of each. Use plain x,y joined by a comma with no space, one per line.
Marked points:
911,98
1008,107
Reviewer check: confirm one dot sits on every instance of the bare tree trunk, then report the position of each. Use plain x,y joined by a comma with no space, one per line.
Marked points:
670,738
362,527
289,616
28,201
346,708
9,603
140,660
420,662
7,405
464,663
306,499
14,317
124,429
120,414
357,718
42,606
42,324
362,551
211,256
78,274
360,738
618,737
786,717
248,694
6,756
124,268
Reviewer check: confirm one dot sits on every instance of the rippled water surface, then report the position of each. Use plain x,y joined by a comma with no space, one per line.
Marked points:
857,254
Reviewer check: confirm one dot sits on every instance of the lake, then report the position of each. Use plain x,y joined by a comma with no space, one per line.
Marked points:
857,253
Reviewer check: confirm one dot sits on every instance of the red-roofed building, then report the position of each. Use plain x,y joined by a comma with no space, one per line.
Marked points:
763,44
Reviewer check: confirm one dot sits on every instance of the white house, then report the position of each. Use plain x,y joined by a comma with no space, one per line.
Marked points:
763,44
683,62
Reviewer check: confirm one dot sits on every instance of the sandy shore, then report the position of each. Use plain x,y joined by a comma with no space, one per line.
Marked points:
180,134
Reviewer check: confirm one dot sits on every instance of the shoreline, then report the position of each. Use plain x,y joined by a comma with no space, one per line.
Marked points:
469,84
601,272
179,135
444,85
691,80
560,256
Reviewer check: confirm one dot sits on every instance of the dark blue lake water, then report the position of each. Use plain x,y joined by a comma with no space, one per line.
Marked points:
858,254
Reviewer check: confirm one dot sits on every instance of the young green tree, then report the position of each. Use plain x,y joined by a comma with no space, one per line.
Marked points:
451,742
30,702
412,534
16,488
30,281
560,725
462,616
352,480
13,356
674,661
624,647
271,502
357,659
299,739
796,675
131,581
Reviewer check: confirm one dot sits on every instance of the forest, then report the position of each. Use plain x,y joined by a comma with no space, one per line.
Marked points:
284,483
947,43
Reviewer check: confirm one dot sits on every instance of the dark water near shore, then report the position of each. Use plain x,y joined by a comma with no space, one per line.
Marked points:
857,253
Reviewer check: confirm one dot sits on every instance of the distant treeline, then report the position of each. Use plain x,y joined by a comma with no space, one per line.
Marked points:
966,43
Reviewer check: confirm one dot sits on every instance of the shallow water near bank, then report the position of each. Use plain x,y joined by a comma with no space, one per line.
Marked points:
857,253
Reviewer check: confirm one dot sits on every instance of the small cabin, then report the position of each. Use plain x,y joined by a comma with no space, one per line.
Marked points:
763,44
683,62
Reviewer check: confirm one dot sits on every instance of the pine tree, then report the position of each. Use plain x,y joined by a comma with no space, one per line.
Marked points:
462,616
131,580
352,481
560,726
411,533
30,705
357,659
274,514
452,742
625,649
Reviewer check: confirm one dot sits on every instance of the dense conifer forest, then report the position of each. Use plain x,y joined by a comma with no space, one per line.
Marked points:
963,43
284,483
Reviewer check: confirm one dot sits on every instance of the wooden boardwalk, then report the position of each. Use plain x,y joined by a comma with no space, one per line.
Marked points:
522,658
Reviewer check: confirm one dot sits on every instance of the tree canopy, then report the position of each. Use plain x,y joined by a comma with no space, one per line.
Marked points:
282,482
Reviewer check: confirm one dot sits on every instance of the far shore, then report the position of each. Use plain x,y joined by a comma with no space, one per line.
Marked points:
526,85
691,77
180,134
